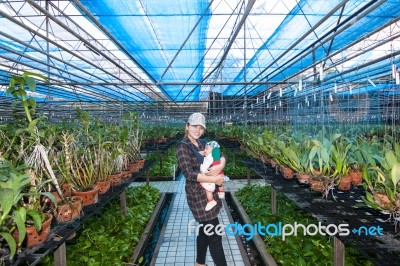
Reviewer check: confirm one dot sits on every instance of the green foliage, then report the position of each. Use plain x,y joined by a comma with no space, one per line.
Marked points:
157,132
295,250
109,238
12,216
17,89
168,162
237,168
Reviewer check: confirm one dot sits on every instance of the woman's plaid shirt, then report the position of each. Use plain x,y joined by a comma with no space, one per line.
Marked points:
196,196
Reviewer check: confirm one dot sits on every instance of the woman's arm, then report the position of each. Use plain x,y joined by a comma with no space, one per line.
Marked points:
184,155
216,169
218,179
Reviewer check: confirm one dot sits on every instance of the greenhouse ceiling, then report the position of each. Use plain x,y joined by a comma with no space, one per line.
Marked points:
179,51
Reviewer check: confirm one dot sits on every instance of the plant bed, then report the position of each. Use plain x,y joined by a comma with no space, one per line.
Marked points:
62,231
303,250
165,163
340,207
263,257
154,178
145,248
109,238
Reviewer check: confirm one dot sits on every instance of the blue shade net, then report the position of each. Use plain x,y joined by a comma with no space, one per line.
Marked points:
152,32
261,66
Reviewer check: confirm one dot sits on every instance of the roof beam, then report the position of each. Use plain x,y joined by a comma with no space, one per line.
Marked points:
184,43
168,83
232,40
332,33
117,43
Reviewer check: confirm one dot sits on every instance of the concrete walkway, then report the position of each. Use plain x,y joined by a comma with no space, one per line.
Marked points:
175,246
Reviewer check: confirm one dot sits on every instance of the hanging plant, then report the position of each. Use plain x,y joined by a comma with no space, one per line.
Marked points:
38,158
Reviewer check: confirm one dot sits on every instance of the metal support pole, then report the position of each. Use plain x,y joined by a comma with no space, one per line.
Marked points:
122,198
338,252
60,256
248,176
234,160
273,201
147,178
161,166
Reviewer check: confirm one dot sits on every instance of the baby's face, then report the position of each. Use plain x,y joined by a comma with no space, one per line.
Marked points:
207,150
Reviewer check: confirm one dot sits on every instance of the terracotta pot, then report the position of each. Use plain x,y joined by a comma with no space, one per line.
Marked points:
304,178
103,186
56,195
141,163
64,189
382,201
115,179
265,159
133,167
356,178
69,211
317,185
160,140
126,174
287,172
317,172
88,197
345,183
34,237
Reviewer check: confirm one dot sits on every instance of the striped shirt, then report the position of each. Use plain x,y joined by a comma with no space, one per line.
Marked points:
196,196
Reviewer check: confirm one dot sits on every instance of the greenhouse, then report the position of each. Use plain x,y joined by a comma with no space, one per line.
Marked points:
219,132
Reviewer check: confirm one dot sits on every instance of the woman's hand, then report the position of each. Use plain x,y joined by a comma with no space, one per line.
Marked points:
219,180
215,170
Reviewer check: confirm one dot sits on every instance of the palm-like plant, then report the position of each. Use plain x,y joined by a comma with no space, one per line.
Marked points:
340,152
320,156
382,181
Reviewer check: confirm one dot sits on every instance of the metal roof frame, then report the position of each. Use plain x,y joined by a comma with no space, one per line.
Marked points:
122,82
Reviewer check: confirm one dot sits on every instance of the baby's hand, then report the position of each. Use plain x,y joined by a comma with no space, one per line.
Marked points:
203,153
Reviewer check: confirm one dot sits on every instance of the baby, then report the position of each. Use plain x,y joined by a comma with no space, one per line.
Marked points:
212,156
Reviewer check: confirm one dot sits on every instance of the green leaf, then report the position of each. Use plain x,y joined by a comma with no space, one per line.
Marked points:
20,131
50,196
31,102
308,253
19,217
302,262
93,253
30,82
395,174
37,220
10,86
33,74
390,158
6,201
313,152
11,242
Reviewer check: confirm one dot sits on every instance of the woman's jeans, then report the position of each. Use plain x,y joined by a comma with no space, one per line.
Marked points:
212,240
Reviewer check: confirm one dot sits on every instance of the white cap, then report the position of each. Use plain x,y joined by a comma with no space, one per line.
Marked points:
197,119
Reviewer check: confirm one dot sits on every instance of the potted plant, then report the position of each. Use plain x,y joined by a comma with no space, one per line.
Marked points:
83,180
341,147
385,191
12,214
36,155
103,168
69,207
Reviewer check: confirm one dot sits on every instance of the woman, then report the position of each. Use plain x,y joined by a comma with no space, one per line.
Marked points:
188,154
